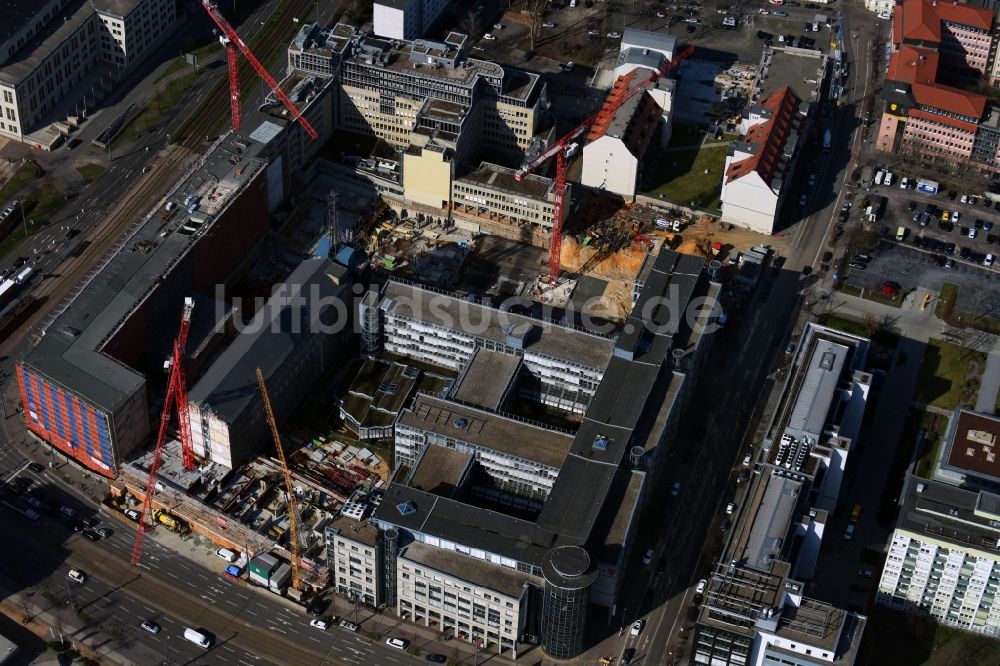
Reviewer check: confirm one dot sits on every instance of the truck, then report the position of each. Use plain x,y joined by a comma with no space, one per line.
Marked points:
827,139
879,176
167,520
23,275
927,186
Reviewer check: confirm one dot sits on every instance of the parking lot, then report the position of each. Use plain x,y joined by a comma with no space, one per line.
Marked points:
912,268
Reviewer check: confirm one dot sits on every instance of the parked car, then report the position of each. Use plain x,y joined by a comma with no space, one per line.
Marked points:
318,623
37,468
77,576
780,13
398,643
865,573
104,532
150,626
614,35
637,627
730,508
350,626
489,37
548,24
91,535
627,656
436,658
647,557
849,533
700,588
676,490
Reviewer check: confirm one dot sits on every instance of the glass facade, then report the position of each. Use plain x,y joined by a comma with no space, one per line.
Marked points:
569,574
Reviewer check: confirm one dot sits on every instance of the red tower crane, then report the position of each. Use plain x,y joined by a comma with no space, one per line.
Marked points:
176,394
233,41
558,150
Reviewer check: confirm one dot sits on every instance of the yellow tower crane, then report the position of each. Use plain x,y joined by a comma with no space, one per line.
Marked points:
293,505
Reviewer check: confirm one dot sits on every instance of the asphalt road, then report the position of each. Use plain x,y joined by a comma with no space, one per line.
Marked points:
170,589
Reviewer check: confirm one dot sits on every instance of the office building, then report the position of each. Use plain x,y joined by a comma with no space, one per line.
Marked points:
52,53
297,336
617,146
541,532
760,164
406,19
944,557
936,45
353,552
83,386
394,90
561,366
753,610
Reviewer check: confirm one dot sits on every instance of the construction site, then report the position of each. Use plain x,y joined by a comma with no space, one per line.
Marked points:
218,469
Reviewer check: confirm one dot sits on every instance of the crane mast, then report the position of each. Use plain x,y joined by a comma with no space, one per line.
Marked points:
176,396
234,41
558,150
293,505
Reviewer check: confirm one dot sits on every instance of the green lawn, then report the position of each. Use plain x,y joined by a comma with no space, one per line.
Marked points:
934,427
689,172
946,300
893,637
845,324
942,381
40,204
25,175
946,310
90,172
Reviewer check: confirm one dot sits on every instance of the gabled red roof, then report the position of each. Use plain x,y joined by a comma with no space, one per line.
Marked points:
920,20
913,65
949,99
977,17
617,91
769,137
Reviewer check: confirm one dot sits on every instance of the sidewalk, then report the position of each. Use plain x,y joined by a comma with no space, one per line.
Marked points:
41,617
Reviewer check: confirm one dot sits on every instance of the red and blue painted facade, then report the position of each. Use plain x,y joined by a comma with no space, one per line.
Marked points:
65,421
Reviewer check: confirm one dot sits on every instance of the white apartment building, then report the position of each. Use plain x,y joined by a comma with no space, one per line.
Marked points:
944,558
880,6
103,35
564,365
405,19
353,552
469,596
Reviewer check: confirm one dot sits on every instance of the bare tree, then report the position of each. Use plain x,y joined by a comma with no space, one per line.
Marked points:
535,15
471,24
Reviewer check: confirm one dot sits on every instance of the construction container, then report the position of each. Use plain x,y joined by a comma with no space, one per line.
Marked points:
261,568
279,579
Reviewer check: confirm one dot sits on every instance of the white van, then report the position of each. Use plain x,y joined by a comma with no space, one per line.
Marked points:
197,637
227,555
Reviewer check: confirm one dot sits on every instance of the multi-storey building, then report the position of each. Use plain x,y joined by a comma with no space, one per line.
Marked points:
944,557
753,610
549,559
406,19
354,551
563,366
48,55
936,44
522,459
83,386
759,165
293,340
386,87
616,147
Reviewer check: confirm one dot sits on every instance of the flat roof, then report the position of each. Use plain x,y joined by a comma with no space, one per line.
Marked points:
502,179
378,391
229,386
14,15
449,311
455,521
488,430
819,384
69,351
487,377
359,530
770,522
972,444
116,7
942,511
646,39
440,470
503,580
626,508
794,69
